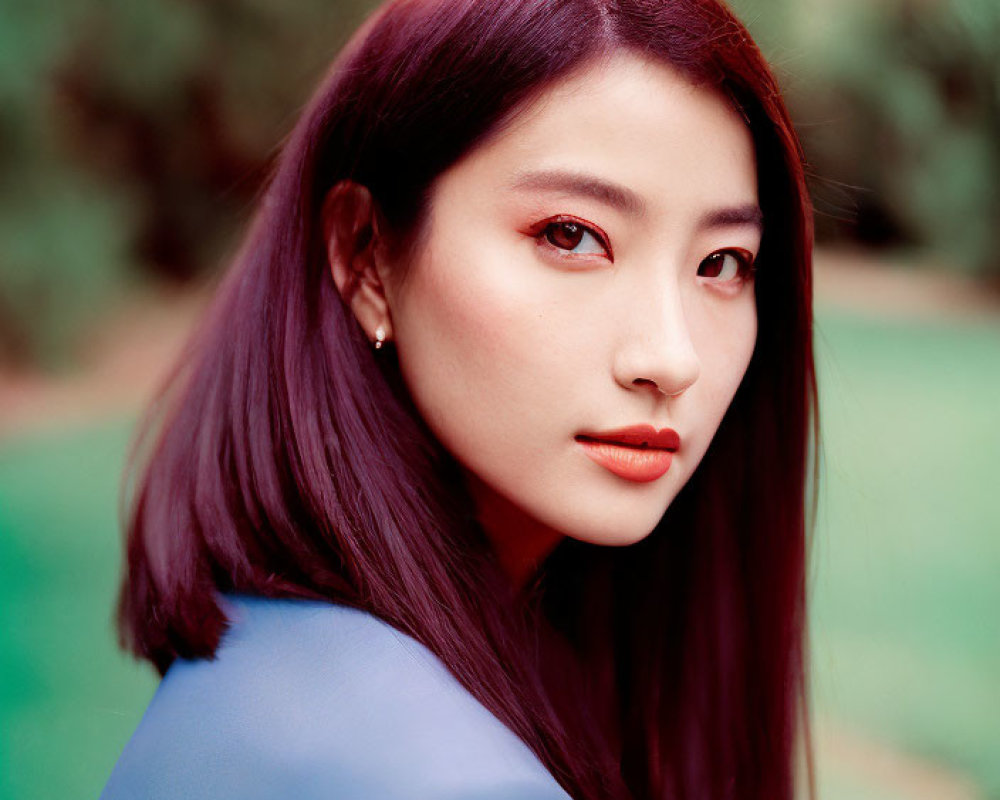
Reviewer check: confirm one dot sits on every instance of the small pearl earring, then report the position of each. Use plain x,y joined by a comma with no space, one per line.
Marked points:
379,337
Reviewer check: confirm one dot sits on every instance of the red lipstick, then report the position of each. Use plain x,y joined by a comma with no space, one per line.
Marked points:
640,453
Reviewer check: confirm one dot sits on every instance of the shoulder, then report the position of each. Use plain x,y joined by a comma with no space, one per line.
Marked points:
315,700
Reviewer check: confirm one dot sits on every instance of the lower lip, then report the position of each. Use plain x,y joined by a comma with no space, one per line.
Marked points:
640,465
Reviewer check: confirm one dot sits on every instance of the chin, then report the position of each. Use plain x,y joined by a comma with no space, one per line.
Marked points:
613,530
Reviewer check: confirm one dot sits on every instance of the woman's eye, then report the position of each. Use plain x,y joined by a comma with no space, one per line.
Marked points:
727,265
574,237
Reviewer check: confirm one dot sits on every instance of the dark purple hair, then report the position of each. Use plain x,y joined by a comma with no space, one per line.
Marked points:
284,460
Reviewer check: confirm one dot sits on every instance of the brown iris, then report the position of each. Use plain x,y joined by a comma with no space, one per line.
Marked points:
717,264
712,266
564,235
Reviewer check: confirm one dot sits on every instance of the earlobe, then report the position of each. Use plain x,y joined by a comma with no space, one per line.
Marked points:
352,237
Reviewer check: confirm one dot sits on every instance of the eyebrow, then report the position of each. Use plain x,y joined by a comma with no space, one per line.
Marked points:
626,200
582,184
748,214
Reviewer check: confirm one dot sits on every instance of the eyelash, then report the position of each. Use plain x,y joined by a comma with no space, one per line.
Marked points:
745,260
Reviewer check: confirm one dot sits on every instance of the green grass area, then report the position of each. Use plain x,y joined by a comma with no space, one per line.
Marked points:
907,559
69,699
907,551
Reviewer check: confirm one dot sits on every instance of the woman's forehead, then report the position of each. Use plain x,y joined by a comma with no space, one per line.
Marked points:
627,131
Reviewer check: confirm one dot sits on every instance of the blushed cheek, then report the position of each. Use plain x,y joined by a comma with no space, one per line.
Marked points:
473,313
742,342
726,345
460,338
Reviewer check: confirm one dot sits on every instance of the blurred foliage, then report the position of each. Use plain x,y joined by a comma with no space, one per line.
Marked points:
898,106
913,101
134,134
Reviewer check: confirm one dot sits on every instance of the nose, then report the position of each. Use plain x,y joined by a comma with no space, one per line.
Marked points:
658,353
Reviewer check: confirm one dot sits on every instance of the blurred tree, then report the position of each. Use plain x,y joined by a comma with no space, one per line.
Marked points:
134,135
906,96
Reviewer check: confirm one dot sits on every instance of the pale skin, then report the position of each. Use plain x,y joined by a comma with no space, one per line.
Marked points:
586,268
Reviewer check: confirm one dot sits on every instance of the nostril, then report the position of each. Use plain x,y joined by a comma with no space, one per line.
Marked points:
655,385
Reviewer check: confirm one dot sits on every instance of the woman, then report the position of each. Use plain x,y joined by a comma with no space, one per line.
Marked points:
521,269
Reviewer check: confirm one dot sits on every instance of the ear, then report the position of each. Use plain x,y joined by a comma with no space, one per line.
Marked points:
351,233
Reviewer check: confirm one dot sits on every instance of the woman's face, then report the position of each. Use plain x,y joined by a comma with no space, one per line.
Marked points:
584,271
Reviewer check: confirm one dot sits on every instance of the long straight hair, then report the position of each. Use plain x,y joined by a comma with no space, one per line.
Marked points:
283,460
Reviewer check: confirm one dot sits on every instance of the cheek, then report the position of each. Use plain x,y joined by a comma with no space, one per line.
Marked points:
724,339
468,334
733,346
724,333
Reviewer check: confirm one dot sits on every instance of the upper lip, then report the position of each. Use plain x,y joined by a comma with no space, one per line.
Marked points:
638,436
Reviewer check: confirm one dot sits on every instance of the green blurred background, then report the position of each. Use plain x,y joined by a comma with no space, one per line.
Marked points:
134,137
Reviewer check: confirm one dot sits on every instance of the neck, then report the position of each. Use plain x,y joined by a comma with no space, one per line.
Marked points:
521,542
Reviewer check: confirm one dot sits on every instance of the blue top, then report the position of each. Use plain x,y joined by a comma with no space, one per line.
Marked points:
311,700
